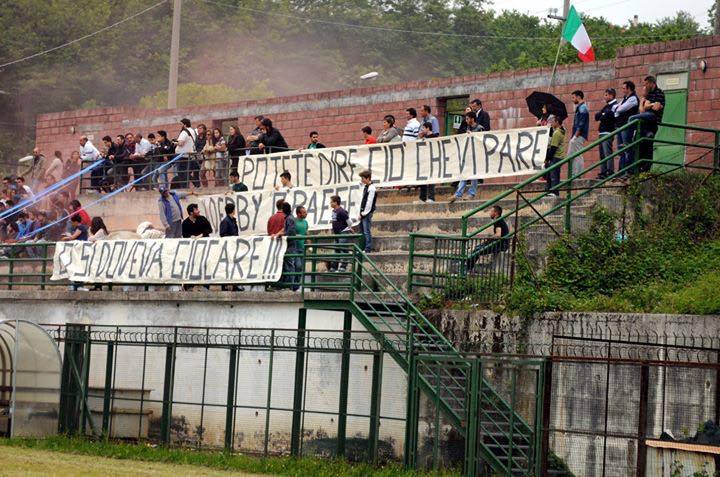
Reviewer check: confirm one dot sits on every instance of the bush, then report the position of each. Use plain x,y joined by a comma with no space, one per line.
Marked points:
668,263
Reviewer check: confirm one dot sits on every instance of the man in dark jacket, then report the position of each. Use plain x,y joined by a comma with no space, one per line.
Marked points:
229,228
271,140
292,263
606,117
315,141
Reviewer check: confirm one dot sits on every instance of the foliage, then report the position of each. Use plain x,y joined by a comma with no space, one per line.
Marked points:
193,94
668,264
267,49
286,466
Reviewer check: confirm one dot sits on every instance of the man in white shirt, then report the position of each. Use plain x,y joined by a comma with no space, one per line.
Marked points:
88,152
412,128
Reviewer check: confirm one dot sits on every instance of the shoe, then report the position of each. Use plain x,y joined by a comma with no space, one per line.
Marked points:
453,199
429,201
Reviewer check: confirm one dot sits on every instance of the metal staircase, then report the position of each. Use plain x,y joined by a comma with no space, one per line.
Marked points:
504,440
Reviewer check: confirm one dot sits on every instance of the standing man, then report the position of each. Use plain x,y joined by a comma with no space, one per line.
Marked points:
471,127
36,172
253,138
315,141
412,128
171,211
340,220
229,226
554,154
367,208
482,118
301,224
291,262
195,225
55,170
652,107
426,117
580,130
235,183
629,106
276,223
606,117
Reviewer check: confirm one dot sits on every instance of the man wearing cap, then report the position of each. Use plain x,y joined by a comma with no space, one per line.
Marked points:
171,214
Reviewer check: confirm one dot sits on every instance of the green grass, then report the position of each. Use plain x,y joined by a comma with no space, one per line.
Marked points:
285,466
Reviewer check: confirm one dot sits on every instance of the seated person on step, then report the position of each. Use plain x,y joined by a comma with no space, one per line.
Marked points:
496,244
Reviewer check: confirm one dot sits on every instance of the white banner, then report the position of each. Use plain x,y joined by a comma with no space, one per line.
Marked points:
253,259
445,159
255,208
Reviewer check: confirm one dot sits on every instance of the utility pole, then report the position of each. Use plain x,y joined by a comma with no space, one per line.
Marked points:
174,55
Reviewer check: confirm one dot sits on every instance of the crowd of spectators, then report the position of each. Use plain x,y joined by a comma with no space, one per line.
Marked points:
209,158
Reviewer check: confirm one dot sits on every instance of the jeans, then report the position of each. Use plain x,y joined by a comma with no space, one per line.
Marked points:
552,178
606,148
461,188
339,264
427,192
575,145
626,137
365,224
291,267
647,129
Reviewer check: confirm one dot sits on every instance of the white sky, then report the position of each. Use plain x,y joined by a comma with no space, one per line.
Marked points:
616,11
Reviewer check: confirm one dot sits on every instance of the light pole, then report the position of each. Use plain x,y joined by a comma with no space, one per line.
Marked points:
174,55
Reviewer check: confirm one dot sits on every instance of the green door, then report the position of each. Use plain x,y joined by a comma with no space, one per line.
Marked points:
675,112
454,115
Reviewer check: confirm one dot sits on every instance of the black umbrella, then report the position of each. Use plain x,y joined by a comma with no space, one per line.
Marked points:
538,99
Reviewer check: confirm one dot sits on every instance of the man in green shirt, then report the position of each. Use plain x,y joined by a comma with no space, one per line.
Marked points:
554,154
235,183
315,141
301,225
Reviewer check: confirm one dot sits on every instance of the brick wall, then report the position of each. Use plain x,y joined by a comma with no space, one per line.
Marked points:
339,115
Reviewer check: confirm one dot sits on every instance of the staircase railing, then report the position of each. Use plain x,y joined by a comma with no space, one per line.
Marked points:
450,255
385,310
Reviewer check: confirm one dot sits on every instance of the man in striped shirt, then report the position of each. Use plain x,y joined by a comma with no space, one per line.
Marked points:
412,128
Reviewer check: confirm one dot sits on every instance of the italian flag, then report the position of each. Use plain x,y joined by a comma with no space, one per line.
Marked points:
574,32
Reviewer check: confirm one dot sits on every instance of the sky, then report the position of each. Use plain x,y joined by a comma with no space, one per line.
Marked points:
616,11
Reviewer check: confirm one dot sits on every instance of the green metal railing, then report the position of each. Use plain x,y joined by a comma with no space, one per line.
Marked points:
369,295
26,265
449,254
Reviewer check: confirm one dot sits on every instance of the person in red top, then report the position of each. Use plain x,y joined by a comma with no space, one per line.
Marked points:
76,209
276,223
367,134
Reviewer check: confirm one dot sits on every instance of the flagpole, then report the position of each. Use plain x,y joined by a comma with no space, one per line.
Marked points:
566,11
554,69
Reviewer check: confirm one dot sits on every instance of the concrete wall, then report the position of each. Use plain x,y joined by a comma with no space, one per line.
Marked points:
339,115
681,398
246,310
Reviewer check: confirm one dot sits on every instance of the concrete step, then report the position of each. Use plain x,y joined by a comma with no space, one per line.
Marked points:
395,210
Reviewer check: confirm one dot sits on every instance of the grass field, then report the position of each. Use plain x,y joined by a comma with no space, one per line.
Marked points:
18,461
65,456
